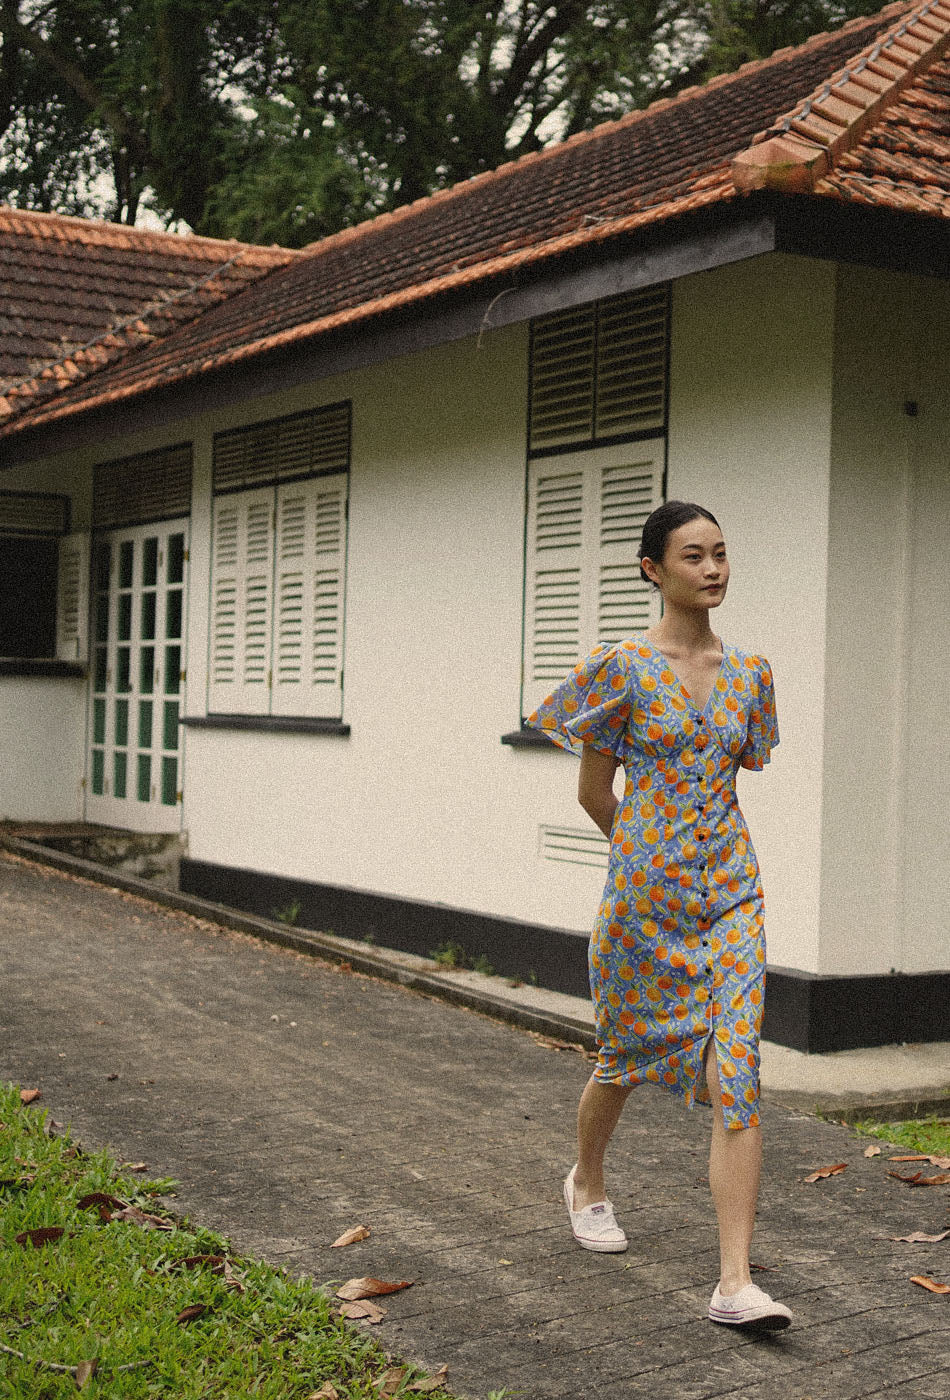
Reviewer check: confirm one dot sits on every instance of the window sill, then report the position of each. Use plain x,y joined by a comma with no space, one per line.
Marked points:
530,739
42,666
268,724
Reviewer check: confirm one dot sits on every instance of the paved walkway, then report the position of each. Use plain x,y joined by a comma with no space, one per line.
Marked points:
291,1101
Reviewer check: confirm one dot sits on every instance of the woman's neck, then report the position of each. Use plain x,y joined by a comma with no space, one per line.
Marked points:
685,632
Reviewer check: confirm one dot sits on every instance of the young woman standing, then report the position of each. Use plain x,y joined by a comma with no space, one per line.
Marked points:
677,955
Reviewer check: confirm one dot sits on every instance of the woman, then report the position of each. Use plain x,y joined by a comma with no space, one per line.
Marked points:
677,955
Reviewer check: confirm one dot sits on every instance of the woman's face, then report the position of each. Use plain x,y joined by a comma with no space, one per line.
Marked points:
694,570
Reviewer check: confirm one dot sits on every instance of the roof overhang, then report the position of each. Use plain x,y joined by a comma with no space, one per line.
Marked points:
760,223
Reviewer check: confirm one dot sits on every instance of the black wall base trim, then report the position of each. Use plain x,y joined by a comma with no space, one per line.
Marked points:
555,958
804,1010
816,1013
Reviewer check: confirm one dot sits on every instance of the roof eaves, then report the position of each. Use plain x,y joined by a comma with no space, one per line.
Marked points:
802,147
703,193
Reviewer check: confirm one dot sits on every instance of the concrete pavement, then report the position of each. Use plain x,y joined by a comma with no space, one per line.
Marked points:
292,1100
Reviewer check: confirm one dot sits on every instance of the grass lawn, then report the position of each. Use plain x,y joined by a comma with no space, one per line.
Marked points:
917,1134
115,1305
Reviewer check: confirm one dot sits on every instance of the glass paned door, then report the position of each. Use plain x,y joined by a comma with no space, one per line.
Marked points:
133,776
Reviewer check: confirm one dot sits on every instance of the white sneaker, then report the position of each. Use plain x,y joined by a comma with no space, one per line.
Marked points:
750,1307
594,1227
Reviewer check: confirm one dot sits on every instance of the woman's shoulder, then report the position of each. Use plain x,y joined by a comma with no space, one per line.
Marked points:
751,664
626,655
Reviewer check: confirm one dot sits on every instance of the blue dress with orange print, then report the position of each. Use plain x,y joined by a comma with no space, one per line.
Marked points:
678,950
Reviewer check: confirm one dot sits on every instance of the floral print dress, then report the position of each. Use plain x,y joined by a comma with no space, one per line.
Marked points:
677,953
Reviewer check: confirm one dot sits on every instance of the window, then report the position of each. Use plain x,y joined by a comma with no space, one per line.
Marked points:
279,566
42,584
596,461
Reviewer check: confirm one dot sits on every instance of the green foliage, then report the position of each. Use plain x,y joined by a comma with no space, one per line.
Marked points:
113,1292
288,913
916,1134
282,120
449,954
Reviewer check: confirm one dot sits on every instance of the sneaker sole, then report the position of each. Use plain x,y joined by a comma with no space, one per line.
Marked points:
603,1246
766,1322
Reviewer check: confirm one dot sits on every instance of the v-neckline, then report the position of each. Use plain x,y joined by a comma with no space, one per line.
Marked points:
662,657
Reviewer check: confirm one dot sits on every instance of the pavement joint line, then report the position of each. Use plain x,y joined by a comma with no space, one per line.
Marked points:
416,973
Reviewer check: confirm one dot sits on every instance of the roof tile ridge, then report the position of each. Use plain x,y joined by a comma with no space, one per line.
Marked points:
368,227
102,231
802,146
124,335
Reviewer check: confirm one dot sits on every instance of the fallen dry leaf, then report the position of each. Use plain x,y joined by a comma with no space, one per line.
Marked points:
918,1237
389,1382
214,1262
356,1288
135,1166
872,1151
427,1383
85,1372
931,1285
190,1313
327,1391
356,1232
942,1162
918,1179
102,1199
46,1234
362,1312
822,1172
232,1279
29,1095
134,1216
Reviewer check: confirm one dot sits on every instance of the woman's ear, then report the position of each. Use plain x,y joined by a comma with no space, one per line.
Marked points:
650,569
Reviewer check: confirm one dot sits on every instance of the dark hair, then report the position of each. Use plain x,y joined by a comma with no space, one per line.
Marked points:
661,524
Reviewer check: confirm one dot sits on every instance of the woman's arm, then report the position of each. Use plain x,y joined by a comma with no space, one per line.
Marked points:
595,787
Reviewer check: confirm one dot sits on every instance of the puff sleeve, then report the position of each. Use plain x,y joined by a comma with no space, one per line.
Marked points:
762,733
591,706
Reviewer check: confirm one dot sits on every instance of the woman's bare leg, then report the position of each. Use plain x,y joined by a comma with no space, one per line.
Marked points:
735,1158
597,1115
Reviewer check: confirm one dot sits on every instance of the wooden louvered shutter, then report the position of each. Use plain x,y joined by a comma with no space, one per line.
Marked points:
629,483
599,372
241,602
585,517
631,364
72,598
309,592
562,379
558,505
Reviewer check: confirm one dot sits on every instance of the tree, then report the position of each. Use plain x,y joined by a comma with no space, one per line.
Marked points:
281,120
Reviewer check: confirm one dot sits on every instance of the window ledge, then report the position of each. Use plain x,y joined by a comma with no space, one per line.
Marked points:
268,724
41,666
530,739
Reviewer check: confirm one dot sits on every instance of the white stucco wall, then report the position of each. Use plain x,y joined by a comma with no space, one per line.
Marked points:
887,759
41,748
750,417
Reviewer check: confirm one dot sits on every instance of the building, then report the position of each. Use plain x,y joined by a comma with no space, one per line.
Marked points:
315,531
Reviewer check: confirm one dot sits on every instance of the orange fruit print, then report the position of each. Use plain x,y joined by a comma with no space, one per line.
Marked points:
653,1026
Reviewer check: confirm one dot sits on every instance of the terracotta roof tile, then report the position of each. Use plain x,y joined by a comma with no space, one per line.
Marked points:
676,156
68,285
